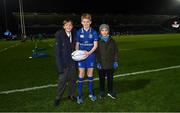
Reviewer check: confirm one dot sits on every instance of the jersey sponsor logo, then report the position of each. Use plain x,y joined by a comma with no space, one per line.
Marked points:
82,44
90,36
86,42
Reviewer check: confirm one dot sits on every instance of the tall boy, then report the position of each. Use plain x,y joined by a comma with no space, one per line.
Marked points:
86,40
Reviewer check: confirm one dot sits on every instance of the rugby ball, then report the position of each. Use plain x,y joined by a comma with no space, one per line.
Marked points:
78,55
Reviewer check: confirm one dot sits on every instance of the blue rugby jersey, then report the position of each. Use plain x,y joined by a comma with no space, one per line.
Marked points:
86,38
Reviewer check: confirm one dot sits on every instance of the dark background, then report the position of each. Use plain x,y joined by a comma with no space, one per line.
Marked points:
124,7
96,6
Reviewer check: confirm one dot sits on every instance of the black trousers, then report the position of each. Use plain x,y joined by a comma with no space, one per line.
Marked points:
109,74
68,78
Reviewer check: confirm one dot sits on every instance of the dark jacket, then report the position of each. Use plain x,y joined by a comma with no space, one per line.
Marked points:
107,53
63,50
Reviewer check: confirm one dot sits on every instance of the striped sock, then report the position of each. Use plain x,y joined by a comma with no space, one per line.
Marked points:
90,85
80,85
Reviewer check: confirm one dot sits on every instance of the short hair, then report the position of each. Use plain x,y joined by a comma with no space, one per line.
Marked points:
102,26
85,16
66,21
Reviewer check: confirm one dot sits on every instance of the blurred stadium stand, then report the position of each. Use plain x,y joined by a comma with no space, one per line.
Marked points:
49,23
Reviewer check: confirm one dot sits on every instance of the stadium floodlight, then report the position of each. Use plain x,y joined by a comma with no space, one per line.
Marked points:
175,24
5,14
21,12
177,2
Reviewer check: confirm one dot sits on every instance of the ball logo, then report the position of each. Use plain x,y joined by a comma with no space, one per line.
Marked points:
78,55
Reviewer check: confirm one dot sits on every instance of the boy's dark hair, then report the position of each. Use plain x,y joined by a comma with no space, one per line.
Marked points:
66,21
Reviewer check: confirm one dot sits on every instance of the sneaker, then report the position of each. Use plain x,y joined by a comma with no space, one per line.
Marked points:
72,98
79,100
92,97
57,102
111,95
101,95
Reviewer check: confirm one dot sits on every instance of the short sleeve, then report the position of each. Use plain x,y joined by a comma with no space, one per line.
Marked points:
77,36
95,36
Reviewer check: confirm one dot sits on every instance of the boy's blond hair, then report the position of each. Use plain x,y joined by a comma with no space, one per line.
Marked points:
86,16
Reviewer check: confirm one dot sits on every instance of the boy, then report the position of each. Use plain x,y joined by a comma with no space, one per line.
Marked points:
86,40
65,45
107,60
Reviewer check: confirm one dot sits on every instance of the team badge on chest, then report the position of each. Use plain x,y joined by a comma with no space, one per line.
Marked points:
90,36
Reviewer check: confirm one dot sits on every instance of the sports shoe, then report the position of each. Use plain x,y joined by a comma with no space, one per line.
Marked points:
72,98
92,97
111,95
79,100
101,95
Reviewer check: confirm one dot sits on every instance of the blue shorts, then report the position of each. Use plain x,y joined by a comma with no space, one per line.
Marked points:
88,62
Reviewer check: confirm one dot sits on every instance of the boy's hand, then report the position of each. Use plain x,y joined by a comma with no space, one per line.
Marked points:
87,53
99,66
115,65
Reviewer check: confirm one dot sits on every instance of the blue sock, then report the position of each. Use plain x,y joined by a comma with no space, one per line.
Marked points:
90,85
80,85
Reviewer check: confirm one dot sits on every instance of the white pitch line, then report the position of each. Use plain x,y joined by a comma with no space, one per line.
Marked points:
51,45
12,46
54,85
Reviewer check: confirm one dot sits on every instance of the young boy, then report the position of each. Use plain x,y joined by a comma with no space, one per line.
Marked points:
65,45
86,40
107,60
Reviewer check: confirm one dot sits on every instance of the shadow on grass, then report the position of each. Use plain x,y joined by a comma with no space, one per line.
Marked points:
122,86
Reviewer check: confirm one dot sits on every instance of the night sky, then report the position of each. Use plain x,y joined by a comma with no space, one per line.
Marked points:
97,6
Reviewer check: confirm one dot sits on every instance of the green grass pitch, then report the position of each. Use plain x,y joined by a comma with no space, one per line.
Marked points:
146,92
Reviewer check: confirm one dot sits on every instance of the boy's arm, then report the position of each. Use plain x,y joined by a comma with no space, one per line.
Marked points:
77,46
77,41
98,56
95,43
94,48
58,53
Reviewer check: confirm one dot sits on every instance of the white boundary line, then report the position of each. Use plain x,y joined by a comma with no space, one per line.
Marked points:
54,85
12,46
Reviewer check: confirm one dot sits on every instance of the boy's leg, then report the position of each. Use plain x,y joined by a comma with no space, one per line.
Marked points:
90,80
61,87
81,65
90,68
80,85
80,81
90,84
110,83
72,82
102,82
110,80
